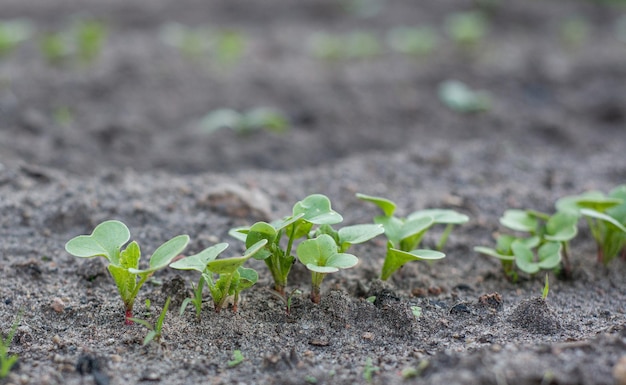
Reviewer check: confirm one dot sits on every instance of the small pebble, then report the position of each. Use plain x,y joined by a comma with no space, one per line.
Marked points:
368,336
58,305
56,339
116,358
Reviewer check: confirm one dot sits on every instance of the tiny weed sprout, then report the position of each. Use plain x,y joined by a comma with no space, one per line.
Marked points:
417,311
12,33
155,331
544,248
8,361
237,359
286,299
355,45
412,41
460,98
83,42
107,240
369,370
312,210
404,235
321,257
231,279
245,123
605,216
466,28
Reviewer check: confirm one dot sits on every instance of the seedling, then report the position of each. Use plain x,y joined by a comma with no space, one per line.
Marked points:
237,359
460,98
107,240
12,33
321,257
286,299
355,45
575,31
312,210
412,41
244,123
83,41
606,217
467,28
232,277
404,235
545,248
7,361
155,331
369,370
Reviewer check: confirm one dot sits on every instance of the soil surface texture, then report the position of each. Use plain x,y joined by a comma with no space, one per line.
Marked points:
119,137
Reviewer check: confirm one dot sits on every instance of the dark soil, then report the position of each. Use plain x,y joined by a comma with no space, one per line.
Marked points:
131,150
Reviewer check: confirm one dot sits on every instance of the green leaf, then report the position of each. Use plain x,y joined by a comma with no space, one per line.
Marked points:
519,220
164,254
230,265
494,253
262,231
546,289
549,255
416,226
561,227
247,278
594,200
524,258
239,233
618,212
384,204
105,240
395,259
125,282
316,209
359,233
603,217
458,97
199,261
129,258
443,216
320,255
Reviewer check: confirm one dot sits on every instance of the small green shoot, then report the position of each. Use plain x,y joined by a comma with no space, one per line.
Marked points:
238,358
546,289
12,33
412,41
369,370
417,311
155,331
321,257
107,240
404,235
355,45
7,361
231,279
148,306
575,32
245,123
312,210
467,29
286,299
83,41
460,98
371,299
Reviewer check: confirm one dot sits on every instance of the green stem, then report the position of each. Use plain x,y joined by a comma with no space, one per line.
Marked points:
220,305
316,282
567,267
129,302
444,236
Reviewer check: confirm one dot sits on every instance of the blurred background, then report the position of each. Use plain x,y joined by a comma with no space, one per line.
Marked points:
191,86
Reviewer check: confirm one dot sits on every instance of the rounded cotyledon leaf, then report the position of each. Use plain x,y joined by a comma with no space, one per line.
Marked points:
561,227
105,240
519,220
317,250
164,254
444,216
359,233
603,217
317,210
199,261
396,258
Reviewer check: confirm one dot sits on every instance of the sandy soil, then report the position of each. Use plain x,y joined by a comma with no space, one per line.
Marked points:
130,149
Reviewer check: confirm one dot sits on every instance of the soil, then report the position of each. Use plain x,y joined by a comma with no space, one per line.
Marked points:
129,148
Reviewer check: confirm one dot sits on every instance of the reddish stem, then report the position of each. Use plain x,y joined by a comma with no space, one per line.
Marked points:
129,315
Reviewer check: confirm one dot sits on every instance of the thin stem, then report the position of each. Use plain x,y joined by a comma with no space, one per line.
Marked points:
219,305
567,267
130,301
444,236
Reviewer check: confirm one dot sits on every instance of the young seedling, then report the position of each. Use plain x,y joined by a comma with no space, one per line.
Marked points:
458,97
247,122
355,45
312,210
605,216
107,240
467,28
347,236
286,299
321,257
155,331
545,248
369,370
412,41
232,276
12,33
546,289
237,359
83,42
404,235
7,361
